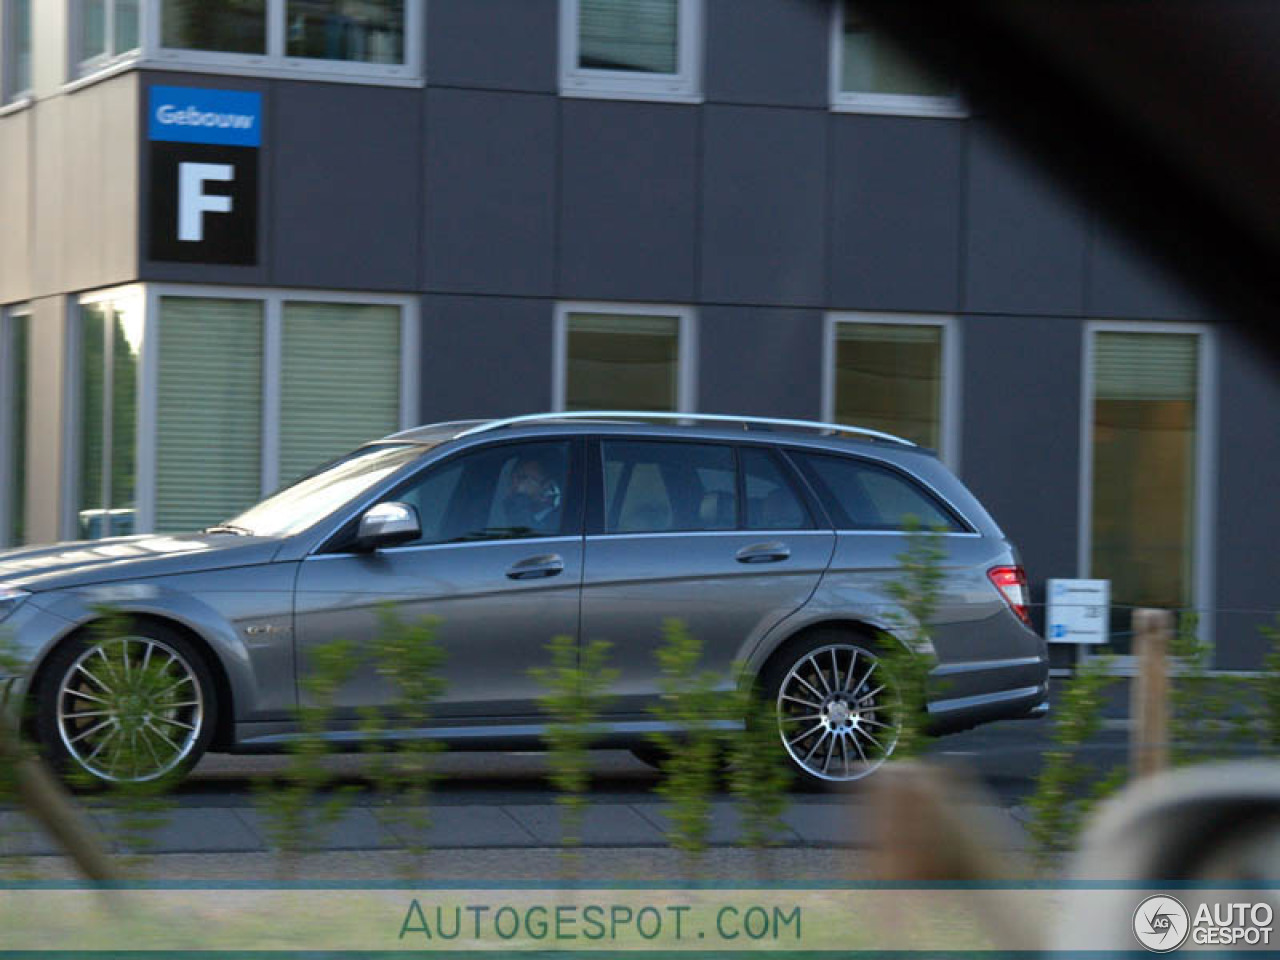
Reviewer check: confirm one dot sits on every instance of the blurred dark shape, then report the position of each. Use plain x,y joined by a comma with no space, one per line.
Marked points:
1164,116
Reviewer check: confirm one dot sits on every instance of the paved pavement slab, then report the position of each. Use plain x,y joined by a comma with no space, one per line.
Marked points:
356,829
603,825
177,831
22,837
726,824
461,827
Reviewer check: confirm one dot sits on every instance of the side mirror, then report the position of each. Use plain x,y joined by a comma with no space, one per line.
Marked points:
387,525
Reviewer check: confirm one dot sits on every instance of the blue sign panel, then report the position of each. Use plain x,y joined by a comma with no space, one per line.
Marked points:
200,115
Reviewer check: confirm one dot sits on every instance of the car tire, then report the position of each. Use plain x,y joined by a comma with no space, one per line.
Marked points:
128,708
834,704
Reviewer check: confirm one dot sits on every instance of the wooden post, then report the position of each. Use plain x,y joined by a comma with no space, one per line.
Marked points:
1149,698
43,799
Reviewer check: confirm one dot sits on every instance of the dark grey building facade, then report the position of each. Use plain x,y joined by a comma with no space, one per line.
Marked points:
463,208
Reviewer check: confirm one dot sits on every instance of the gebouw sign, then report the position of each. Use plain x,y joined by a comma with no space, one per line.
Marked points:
204,174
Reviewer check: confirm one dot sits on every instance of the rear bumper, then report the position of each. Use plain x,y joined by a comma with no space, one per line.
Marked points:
965,695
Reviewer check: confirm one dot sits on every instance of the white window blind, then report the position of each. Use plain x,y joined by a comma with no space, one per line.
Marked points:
208,411
640,35
340,383
1143,366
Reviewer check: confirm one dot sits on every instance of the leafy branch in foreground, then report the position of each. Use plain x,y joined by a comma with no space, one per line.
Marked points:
574,703
291,804
410,659
1058,805
759,777
689,710
916,592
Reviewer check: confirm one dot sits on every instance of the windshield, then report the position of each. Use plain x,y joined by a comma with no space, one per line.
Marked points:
314,497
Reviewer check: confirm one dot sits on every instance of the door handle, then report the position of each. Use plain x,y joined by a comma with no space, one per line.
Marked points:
764,553
531,568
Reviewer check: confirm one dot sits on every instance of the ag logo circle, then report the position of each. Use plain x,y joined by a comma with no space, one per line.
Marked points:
1161,923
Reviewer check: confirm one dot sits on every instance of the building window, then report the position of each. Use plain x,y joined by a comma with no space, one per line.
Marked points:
369,39
221,26
208,447
335,388
104,32
870,74
631,49
896,374
610,357
15,339
15,56
109,341
1147,424
195,404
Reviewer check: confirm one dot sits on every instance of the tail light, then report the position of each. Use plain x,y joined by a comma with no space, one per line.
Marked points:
1012,584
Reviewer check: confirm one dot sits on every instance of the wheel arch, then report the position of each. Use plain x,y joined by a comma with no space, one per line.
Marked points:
223,734
872,633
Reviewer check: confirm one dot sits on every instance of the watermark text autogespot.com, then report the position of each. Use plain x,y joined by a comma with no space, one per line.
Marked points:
609,922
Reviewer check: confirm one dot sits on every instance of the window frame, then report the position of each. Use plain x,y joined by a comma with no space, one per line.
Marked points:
683,86
11,95
686,346
8,358
273,63
950,396
105,63
893,104
1204,514
273,300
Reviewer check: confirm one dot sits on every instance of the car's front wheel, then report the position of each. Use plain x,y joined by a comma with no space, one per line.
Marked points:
836,706
132,707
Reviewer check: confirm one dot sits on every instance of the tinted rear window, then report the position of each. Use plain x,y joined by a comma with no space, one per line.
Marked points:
865,496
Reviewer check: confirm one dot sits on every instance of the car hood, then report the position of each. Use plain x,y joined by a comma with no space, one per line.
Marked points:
86,562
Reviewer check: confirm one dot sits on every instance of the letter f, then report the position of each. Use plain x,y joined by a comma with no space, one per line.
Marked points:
194,203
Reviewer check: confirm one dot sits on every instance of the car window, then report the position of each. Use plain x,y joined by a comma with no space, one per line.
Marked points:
771,501
498,493
653,487
865,496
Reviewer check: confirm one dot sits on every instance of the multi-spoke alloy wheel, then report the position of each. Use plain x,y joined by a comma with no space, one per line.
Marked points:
127,709
837,712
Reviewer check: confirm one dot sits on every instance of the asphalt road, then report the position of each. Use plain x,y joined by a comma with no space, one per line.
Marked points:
1005,757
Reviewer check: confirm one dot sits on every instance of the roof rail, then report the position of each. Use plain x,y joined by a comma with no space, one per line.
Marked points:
746,422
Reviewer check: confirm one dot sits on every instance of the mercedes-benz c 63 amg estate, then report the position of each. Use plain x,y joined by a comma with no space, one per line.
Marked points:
776,543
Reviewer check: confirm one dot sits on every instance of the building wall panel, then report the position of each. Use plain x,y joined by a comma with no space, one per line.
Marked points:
763,208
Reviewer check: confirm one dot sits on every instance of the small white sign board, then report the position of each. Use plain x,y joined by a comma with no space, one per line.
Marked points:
1079,611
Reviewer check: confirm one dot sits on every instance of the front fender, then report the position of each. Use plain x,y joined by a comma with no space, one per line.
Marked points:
259,666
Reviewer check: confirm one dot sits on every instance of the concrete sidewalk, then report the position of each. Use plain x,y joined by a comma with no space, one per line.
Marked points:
809,823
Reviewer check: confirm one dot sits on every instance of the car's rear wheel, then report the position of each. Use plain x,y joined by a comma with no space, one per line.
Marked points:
836,706
126,708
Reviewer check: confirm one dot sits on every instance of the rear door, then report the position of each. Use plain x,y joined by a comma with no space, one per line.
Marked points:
717,536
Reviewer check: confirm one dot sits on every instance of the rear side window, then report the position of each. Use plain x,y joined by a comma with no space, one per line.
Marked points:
866,496
663,487
771,501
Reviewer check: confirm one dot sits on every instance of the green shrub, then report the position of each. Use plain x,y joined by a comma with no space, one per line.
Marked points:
294,805
907,663
692,709
1063,797
577,684
408,657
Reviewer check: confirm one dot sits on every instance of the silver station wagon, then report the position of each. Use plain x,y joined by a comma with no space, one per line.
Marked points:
775,542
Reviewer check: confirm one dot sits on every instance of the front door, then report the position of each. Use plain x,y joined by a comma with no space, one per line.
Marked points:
498,568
